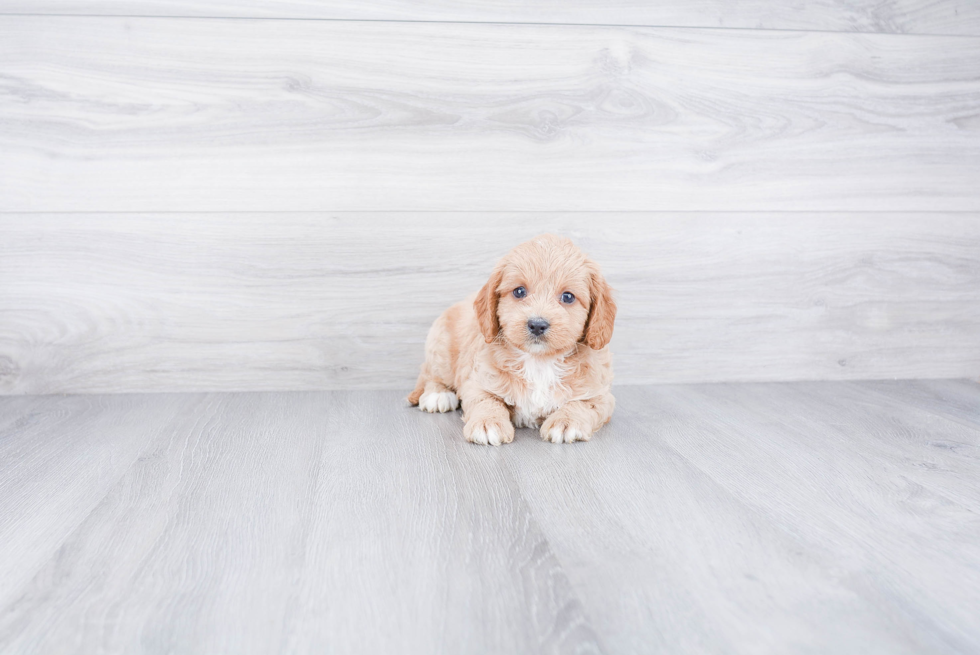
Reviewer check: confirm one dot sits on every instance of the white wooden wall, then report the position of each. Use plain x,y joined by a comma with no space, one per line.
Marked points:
205,196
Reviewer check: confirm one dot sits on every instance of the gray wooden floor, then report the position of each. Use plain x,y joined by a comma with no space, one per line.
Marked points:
837,517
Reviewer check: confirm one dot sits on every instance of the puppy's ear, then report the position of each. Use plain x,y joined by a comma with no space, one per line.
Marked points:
602,312
486,306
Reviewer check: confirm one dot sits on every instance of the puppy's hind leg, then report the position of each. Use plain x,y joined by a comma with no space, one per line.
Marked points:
431,393
413,398
433,396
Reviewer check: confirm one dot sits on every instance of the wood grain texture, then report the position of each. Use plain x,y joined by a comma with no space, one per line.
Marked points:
297,523
142,114
956,399
58,459
783,518
166,302
837,517
892,16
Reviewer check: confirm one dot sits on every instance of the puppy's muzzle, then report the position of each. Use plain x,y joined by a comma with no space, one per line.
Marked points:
538,326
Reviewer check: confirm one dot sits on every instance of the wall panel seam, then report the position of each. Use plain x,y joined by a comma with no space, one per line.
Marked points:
501,23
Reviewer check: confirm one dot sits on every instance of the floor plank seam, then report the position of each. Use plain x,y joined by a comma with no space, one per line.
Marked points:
577,594
95,506
892,401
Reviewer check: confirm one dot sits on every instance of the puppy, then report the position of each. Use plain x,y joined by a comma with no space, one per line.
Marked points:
529,349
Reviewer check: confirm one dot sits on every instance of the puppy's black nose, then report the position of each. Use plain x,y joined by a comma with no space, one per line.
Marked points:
538,326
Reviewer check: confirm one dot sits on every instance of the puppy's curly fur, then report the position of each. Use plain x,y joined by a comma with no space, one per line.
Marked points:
484,352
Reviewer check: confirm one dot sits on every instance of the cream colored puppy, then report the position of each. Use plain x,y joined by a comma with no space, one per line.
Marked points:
529,349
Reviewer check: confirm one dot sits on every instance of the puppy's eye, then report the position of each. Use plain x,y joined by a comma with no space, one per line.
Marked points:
568,297
520,292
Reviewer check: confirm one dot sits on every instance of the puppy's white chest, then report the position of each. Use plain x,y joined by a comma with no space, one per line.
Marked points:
542,393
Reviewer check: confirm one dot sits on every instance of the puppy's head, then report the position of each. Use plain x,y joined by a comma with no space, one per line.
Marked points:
544,296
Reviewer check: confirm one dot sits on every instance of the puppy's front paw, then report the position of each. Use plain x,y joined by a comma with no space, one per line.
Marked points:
488,431
562,429
438,401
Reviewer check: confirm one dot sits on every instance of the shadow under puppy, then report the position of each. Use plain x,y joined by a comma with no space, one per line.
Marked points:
528,349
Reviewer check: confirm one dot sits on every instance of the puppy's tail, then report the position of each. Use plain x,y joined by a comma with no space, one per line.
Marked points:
413,397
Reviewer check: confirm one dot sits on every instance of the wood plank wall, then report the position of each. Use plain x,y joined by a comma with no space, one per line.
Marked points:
194,196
